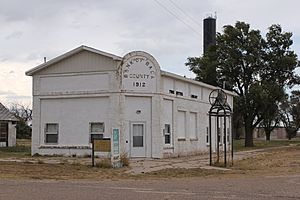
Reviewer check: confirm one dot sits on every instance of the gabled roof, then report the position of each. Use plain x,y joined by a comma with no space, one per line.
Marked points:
5,115
68,54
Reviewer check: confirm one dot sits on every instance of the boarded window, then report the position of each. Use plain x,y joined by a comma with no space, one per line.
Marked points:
181,123
193,125
138,135
96,130
51,133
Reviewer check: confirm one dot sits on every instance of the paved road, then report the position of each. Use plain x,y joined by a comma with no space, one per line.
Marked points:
262,188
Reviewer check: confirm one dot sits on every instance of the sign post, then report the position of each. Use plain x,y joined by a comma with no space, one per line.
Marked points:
116,148
101,145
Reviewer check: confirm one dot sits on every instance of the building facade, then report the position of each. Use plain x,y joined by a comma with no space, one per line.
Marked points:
88,93
7,127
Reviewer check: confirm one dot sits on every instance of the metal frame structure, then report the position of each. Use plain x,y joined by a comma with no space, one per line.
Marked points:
219,109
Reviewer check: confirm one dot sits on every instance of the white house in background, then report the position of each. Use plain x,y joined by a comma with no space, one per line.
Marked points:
7,127
88,92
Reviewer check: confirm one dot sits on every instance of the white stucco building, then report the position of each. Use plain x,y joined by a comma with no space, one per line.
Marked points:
89,92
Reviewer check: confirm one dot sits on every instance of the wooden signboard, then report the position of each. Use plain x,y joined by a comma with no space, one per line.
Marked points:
102,145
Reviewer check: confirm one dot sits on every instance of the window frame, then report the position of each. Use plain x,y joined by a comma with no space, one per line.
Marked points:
100,133
143,135
46,132
207,136
168,134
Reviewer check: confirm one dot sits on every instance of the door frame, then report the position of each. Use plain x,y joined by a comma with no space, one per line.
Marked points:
131,123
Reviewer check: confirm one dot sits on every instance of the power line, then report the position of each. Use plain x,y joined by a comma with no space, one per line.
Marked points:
177,17
186,14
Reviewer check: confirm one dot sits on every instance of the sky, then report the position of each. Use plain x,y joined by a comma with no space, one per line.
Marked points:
170,30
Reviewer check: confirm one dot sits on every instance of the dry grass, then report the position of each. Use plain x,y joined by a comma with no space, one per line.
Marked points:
124,159
184,173
281,161
104,163
14,170
239,145
274,161
24,142
22,149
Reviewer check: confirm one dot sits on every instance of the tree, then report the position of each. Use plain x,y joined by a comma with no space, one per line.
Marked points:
251,65
24,114
290,113
269,98
205,67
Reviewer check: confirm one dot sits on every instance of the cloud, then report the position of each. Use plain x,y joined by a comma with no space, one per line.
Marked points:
6,93
34,29
7,97
14,35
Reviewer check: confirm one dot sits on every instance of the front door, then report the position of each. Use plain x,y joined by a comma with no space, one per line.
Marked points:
3,134
137,143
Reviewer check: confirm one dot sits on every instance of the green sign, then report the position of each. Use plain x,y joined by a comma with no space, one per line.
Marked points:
116,144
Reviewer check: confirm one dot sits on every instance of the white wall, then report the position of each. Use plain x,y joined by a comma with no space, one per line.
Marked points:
181,86
168,84
83,61
168,117
138,109
12,134
73,116
74,83
196,90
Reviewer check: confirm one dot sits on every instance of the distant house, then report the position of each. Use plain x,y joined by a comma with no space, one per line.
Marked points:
278,133
7,127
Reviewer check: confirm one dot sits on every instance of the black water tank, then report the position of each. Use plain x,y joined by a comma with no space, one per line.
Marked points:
209,33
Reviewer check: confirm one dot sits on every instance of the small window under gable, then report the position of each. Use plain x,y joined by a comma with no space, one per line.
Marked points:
194,96
178,93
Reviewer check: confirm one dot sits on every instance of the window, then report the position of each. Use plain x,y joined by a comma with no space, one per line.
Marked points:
179,93
96,130
194,96
167,134
138,135
51,133
171,91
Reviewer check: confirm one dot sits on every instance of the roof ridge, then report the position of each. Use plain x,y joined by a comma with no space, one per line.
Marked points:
68,54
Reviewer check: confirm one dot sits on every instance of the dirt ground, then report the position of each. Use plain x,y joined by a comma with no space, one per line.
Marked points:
276,161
